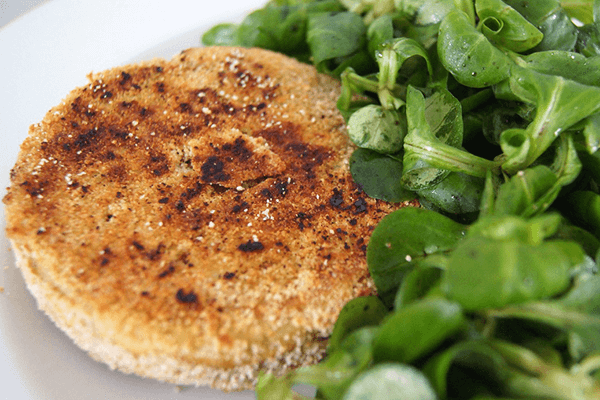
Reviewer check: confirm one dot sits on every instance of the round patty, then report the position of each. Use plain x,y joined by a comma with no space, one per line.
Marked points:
194,220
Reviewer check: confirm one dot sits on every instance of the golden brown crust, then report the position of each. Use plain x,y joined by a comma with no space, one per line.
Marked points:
196,216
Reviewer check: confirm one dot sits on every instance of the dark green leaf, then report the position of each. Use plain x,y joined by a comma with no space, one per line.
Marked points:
472,60
333,35
503,25
560,104
577,313
359,312
432,124
521,194
475,354
488,271
394,248
567,64
375,128
379,31
415,330
552,20
458,193
378,175
416,285
583,209
588,242
588,40
425,12
340,368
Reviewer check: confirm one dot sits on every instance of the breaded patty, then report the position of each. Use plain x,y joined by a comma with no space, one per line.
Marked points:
194,220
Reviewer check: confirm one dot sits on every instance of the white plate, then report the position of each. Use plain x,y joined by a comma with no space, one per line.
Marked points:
43,55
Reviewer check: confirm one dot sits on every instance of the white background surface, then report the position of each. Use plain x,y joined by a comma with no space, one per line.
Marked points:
43,55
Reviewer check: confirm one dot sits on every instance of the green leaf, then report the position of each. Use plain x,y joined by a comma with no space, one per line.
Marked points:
560,104
588,40
270,387
552,20
375,128
394,249
588,242
490,271
583,209
425,12
504,26
340,368
473,354
434,125
378,175
416,285
532,191
391,382
472,60
392,57
417,329
521,194
577,313
333,35
567,64
379,31
221,35
581,10
591,133
456,194
357,313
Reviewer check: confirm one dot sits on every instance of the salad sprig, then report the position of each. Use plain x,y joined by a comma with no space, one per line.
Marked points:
488,113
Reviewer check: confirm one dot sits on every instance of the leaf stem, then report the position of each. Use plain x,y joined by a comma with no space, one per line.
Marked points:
450,158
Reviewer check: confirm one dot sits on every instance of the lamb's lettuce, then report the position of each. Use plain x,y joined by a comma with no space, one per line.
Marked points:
488,113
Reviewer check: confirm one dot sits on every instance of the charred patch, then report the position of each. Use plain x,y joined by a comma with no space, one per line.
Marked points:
267,193
229,275
125,77
360,206
213,170
86,139
158,164
239,207
169,271
186,108
308,156
251,246
192,192
303,220
156,253
281,188
186,297
337,199
237,149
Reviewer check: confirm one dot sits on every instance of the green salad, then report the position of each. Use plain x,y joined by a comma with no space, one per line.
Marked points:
487,112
